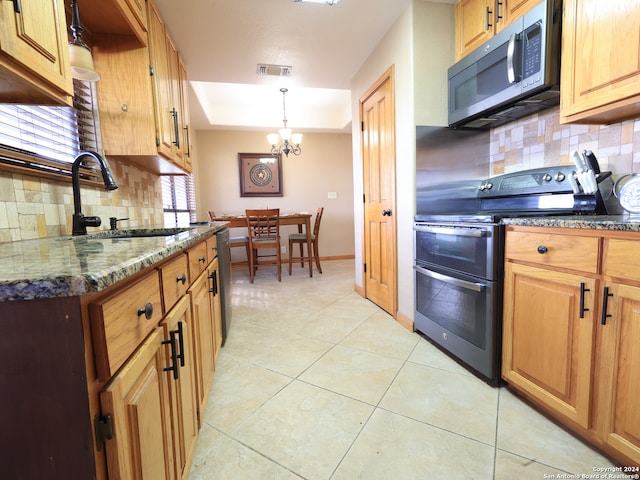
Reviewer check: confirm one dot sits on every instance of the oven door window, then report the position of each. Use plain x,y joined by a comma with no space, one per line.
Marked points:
470,250
461,305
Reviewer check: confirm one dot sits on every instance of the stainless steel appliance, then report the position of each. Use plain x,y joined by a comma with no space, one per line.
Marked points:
515,73
224,266
459,254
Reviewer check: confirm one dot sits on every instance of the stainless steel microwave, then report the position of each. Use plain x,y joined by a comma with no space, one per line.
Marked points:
515,73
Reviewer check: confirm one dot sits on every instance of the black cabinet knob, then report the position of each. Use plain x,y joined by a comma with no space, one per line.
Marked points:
182,279
147,311
542,249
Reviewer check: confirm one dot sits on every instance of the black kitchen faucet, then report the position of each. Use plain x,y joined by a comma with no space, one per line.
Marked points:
80,222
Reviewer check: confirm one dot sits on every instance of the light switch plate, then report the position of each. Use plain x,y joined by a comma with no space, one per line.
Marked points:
332,195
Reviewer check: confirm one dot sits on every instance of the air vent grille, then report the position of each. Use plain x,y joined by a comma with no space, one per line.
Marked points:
274,70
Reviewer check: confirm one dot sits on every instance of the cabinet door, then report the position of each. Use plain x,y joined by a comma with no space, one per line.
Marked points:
36,38
547,347
185,142
203,345
600,72
138,402
474,25
509,10
620,367
161,82
178,328
216,306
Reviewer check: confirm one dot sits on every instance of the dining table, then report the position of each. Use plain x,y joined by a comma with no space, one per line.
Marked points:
301,219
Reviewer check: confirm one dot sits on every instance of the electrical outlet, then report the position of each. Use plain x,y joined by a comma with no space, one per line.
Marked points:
332,194
283,249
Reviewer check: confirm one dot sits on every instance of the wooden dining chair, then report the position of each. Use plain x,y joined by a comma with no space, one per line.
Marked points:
263,228
301,240
236,240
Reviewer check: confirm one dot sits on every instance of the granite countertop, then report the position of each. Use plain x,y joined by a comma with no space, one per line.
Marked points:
72,266
626,222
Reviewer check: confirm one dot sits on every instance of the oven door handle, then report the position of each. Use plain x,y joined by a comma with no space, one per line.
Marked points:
476,287
458,231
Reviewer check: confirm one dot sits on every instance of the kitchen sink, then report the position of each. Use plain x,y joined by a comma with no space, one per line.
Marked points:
129,233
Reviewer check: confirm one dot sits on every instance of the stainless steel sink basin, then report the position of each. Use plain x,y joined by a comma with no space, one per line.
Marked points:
129,233
143,232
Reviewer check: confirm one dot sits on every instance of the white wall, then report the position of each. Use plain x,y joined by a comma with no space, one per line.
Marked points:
420,46
323,166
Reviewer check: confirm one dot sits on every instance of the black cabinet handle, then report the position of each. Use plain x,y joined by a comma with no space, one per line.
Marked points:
202,259
605,302
214,283
386,212
486,21
498,16
542,249
147,311
180,333
188,143
174,355
17,8
176,128
182,279
583,289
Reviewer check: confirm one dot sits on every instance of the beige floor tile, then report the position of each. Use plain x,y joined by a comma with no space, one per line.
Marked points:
360,375
527,433
239,389
383,335
395,447
230,460
429,355
458,403
275,350
305,428
510,467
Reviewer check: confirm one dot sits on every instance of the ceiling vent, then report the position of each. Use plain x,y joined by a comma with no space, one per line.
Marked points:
274,70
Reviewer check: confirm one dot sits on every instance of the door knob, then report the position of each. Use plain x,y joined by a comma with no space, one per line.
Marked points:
386,212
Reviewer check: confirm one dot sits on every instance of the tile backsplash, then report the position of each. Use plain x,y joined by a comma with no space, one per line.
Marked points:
35,207
539,140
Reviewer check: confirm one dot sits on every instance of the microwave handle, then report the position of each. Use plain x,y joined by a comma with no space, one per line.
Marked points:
476,287
511,50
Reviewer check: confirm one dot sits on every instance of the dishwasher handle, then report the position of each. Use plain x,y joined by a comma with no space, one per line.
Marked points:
476,287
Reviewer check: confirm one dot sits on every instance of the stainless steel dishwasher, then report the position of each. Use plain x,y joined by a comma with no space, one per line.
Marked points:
224,266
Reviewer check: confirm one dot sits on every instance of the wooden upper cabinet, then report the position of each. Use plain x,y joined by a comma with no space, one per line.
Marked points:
473,25
479,20
115,17
600,76
34,57
140,116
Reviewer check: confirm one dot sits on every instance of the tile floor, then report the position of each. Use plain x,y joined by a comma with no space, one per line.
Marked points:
317,383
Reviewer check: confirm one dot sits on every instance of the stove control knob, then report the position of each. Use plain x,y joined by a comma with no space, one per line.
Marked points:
546,177
489,186
482,187
559,177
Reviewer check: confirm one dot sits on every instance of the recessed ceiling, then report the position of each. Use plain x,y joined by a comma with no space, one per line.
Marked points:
223,41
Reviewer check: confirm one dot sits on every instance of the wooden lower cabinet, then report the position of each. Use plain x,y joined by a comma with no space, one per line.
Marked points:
203,338
137,401
178,333
547,346
620,371
571,330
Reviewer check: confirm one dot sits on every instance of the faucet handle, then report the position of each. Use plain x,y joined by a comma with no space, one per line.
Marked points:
113,222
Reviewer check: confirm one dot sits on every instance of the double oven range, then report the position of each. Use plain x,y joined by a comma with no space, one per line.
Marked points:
459,255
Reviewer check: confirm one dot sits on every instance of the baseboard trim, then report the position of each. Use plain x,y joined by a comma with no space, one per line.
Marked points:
405,321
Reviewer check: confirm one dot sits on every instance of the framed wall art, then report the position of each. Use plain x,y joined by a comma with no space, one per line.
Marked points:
260,175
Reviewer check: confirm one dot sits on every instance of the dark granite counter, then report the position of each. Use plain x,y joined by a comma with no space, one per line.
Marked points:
72,266
630,223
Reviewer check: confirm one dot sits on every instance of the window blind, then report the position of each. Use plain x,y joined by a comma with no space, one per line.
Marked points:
46,139
178,200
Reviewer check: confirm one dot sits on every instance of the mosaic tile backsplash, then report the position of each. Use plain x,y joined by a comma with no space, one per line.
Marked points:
539,140
33,207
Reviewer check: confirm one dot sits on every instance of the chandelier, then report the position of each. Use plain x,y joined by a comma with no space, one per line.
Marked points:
290,141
